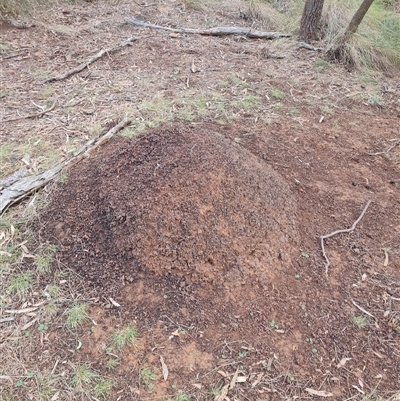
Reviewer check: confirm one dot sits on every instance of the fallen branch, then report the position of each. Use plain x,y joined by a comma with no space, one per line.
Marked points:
309,47
86,64
17,190
218,31
327,263
35,115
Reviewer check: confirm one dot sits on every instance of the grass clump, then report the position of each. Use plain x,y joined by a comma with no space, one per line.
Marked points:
121,338
14,8
375,100
76,315
19,283
82,376
147,376
45,257
375,45
45,386
194,4
52,291
112,363
102,388
277,94
85,380
179,397
321,65
359,321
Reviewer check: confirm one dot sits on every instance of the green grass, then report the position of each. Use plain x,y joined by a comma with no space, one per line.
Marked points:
147,376
52,291
326,110
19,283
179,396
368,77
45,386
3,47
112,363
128,132
121,338
248,102
186,114
321,65
85,380
50,309
76,315
82,375
359,321
45,257
13,255
375,100
240,82
277,94
62,178
157,104
273,324
102,388
6,92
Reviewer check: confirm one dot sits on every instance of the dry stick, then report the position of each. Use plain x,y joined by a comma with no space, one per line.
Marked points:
327,263
99,55
387,150
35,115
218,31
309,47
362,309
25,186
7,319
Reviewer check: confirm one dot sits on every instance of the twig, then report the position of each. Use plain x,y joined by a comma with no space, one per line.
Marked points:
99,55
327,263
387,150
309,47
7,319
217,31
362,309
35,115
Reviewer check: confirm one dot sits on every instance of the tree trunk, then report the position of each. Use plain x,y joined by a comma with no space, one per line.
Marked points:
310,20
339,53
357,18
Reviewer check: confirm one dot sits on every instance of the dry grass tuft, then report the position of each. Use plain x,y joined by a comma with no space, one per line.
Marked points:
375,45
14,8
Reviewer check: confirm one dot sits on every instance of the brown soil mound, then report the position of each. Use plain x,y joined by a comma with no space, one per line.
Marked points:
194,205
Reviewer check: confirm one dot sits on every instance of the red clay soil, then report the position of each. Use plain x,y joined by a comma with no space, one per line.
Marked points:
186,203
215,230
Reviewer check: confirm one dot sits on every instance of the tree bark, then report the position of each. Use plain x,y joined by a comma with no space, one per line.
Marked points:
310,20
357,18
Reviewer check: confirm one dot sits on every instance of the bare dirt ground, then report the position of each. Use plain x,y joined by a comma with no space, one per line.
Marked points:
202,220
